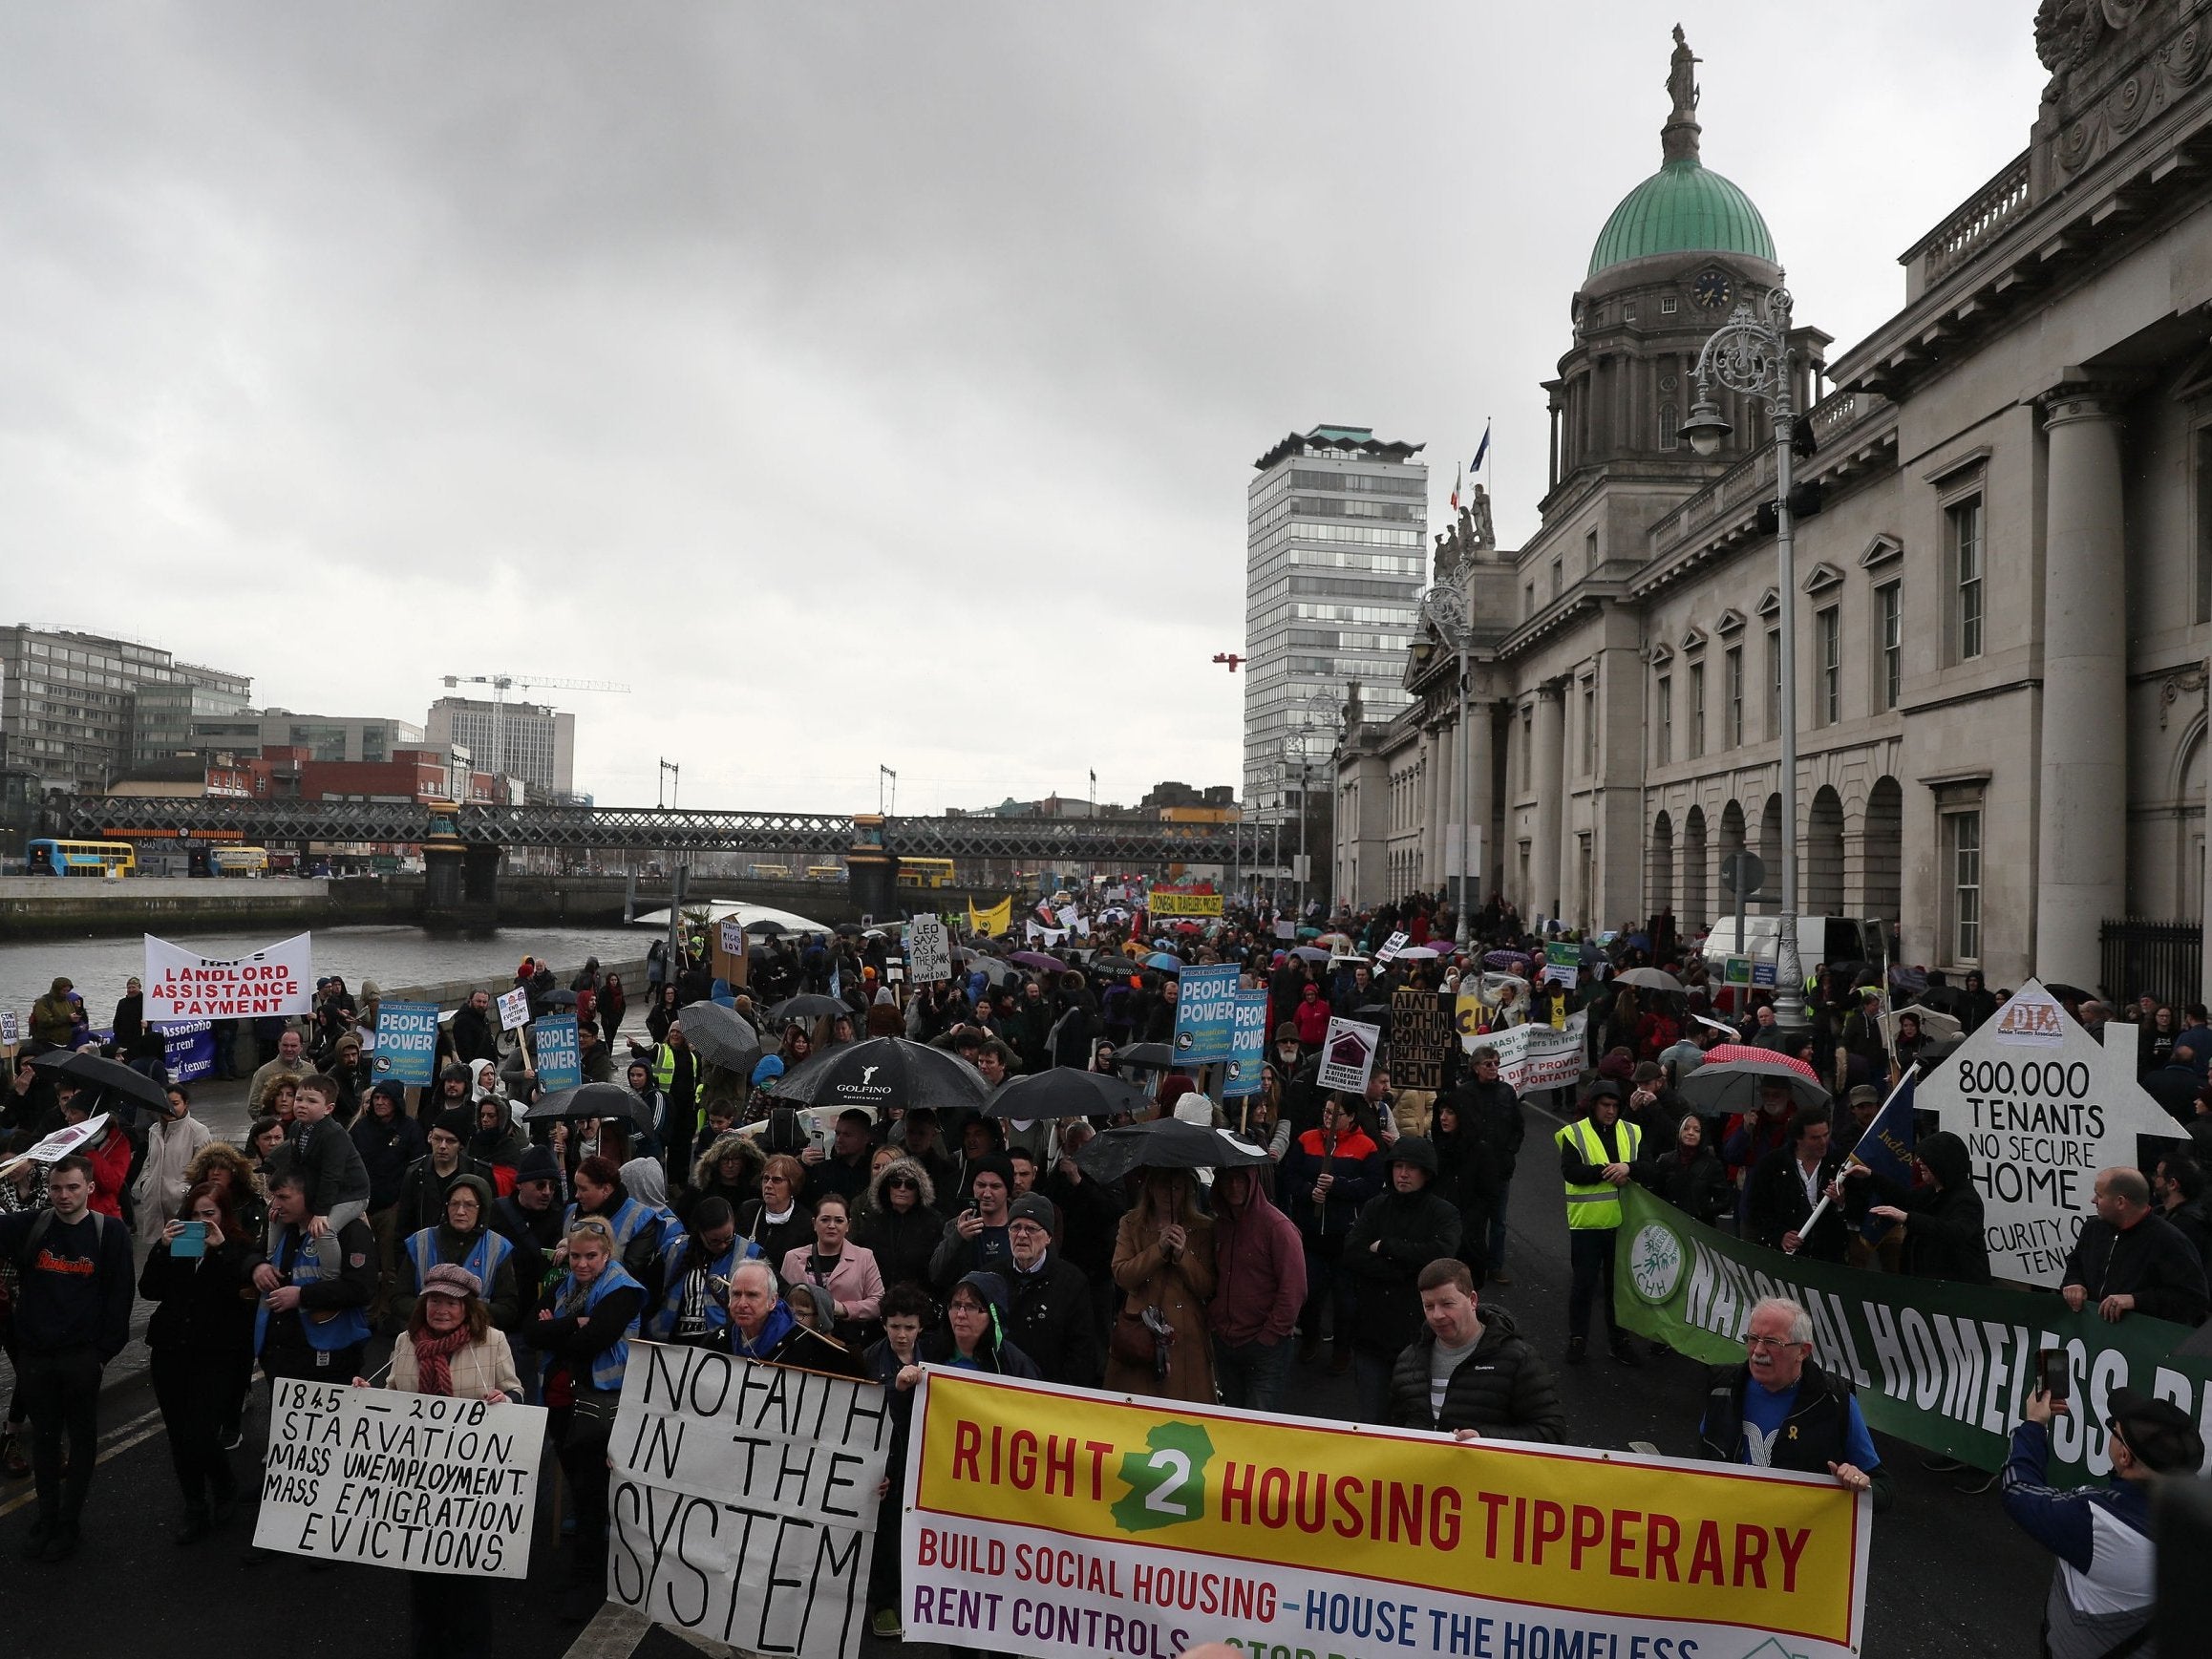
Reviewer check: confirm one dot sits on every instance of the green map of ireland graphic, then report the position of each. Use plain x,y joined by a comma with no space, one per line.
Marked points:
1167,1481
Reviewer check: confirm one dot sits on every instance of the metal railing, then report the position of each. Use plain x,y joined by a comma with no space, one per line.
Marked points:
2163,959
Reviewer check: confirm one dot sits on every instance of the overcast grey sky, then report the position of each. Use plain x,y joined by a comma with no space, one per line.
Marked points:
859,383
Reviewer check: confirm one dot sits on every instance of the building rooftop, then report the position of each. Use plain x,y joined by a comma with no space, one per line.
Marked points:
1356,437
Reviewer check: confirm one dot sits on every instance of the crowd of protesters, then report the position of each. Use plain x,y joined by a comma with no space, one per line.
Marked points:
506,1257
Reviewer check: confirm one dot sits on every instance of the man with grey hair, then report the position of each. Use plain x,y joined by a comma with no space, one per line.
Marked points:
763,1329
2129,1260
1780,1410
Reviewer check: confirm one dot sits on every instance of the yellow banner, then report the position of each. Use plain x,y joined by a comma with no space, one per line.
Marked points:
1058,1503
1166,904
993,921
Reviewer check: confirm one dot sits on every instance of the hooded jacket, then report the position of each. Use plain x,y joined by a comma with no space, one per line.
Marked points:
903,1242
995,1353
387,1149
1944,1237
1397,1234
707,1174
1259,1270
1503,1390
50,1018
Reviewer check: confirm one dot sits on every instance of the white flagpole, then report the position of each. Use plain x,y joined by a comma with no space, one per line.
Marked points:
1821,1209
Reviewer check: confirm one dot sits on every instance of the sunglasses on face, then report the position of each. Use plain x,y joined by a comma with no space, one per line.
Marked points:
900,1181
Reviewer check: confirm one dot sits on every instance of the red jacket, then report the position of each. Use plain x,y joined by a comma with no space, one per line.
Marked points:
1259,1271
1313,1020
111,1163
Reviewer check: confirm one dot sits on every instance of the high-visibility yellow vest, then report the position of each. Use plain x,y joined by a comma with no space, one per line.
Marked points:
664,1067
1597,1203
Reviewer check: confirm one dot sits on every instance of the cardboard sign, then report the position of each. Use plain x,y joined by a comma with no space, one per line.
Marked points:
929,949
2042,1106
742,1506
10,1033
1205,1013
1347,1055
1421,1026
183,985
1067,1523
559,1064
514,1009
732,938
1287,930
407,1042
1247,1047
1391,947
423,1482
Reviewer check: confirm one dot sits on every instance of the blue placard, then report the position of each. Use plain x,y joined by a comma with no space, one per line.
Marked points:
1247,1045
1763,974
407,1042
187,1048
558,1065
1206,1014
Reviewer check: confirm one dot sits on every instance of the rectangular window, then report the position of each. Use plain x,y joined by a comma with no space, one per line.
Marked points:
1663,727
1697,709
1828,640
1557,577
1889,636
1964,521
1527,747
1736,696
1589,727
1963,834
1528,601
1774,683
1665,304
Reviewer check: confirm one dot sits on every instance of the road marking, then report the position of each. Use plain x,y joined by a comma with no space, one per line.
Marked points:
146,1428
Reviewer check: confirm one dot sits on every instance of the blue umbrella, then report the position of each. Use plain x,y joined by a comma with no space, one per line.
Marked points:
1165,962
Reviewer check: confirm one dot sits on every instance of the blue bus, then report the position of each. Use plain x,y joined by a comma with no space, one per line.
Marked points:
49,857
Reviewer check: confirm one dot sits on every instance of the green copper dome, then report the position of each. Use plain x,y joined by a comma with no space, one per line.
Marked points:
1682,208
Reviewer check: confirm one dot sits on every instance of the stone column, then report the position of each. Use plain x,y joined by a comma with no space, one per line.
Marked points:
1484,858
1443,750
1550,745
2081,812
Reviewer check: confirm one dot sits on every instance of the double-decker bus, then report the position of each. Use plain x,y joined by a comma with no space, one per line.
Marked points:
925,872
49,857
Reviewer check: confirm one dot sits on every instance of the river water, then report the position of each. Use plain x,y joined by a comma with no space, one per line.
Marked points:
389,956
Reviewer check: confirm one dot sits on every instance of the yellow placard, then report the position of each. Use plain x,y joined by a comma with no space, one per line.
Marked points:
1166,903
1603,1534
991,923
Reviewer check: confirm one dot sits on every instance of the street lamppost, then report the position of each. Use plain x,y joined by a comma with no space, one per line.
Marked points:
1750,354
1444,608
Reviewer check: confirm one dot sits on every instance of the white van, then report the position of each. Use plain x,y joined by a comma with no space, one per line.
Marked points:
1821,940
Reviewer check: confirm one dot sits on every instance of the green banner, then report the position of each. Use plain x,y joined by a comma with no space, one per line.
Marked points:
1943,1366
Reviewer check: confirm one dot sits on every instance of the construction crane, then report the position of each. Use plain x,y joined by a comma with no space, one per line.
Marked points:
502,684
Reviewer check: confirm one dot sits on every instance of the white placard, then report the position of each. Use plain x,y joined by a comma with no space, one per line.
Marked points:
1347,1054
1536,1056
2042,1106
423,1482
10,1033
514,1009
183,985
733,933
742,1506
928,948
1391,947
60,1143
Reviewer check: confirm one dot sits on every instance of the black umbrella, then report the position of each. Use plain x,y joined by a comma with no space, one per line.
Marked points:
115,1078
53,1059
884,1072
1114,964
808,1005
721,1036
1165,1143
1155,1055
849,929
765,925
590,1101
559,999
1063,1091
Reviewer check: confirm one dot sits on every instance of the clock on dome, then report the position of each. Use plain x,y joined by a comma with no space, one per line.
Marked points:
1711,289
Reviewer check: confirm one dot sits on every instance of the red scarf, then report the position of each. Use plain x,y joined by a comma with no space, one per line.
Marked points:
433,1356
